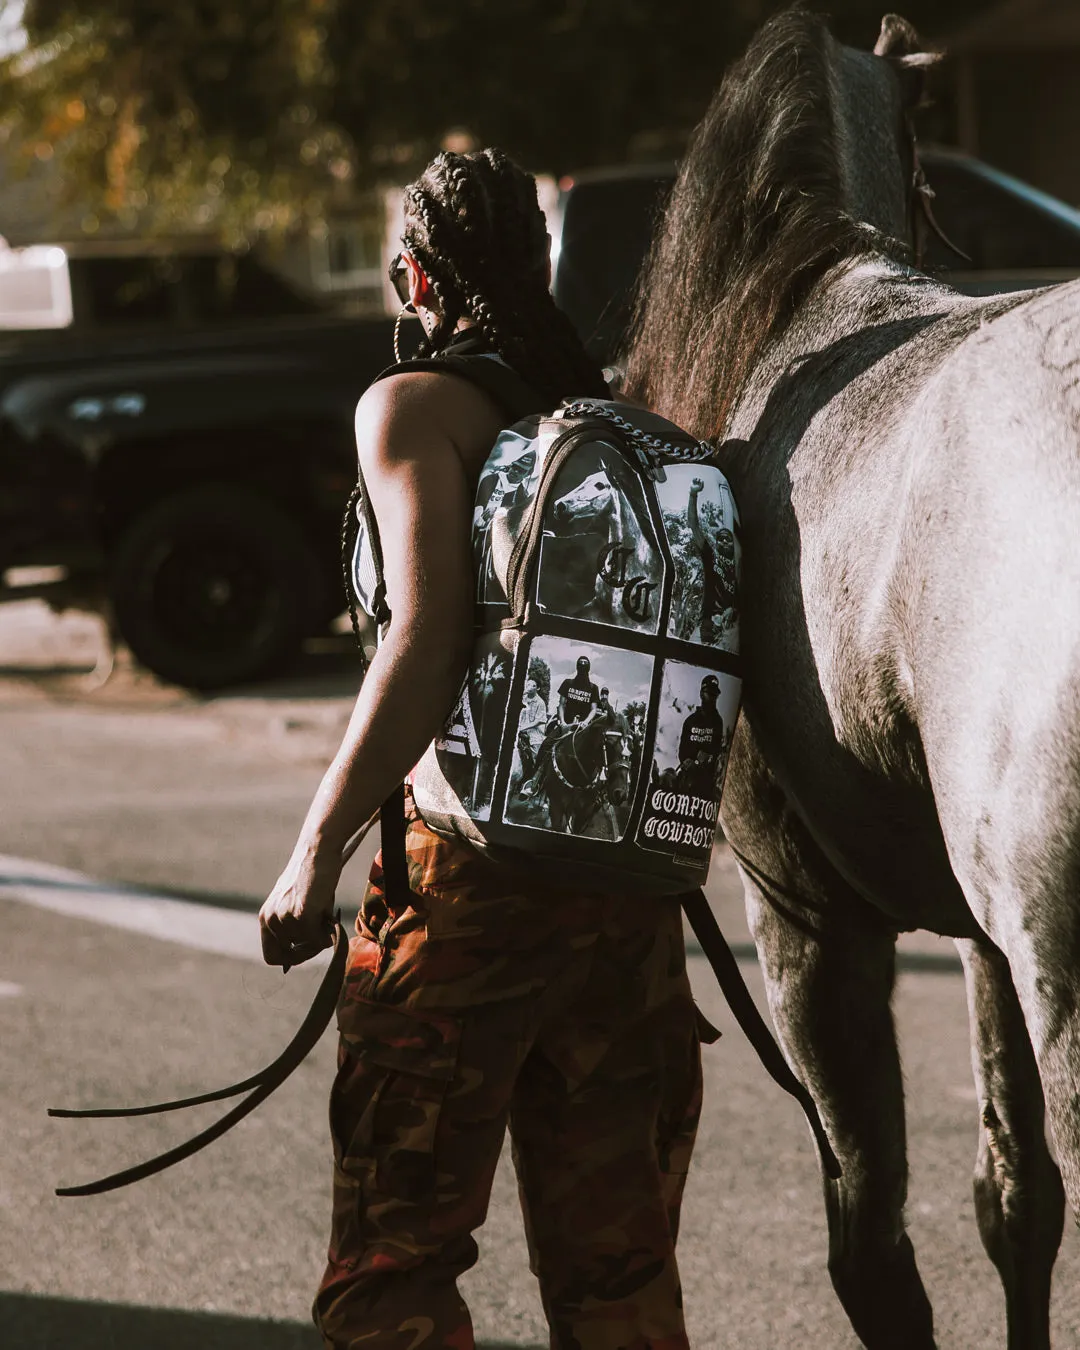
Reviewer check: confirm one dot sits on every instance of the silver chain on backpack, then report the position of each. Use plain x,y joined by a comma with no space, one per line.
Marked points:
649,448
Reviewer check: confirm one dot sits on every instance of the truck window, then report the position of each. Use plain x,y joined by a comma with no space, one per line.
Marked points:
224,287
124,292
1000,228
606,230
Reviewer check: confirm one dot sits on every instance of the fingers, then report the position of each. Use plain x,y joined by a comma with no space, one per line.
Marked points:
298,953
289,941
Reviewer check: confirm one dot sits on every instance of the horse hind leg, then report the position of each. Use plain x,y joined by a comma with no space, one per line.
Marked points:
829,994
1019,1197
1021,875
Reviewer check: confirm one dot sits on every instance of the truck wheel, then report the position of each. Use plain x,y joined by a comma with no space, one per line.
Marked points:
213,586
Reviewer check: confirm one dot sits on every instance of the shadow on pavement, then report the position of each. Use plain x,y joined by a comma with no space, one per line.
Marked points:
328,667
46,672
246,904
39,1322
90,887
918,963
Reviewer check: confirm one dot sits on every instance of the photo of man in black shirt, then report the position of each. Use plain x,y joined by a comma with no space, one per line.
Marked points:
702,742
578,696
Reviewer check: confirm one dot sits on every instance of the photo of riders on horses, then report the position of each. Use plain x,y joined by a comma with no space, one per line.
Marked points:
577,759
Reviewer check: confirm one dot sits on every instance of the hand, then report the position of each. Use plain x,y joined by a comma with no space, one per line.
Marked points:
296,921
696,486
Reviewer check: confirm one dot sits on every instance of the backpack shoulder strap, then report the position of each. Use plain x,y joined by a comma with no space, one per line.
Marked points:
514,395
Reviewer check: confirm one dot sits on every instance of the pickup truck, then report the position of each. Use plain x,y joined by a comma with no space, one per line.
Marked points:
190,481
1014,237
181,464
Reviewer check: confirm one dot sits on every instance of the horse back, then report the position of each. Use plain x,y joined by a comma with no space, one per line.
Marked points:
990,579
872,482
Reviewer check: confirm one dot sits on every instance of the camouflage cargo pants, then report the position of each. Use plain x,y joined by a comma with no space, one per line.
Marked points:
496,999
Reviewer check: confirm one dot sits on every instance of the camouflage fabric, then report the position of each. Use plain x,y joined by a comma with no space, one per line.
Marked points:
494,999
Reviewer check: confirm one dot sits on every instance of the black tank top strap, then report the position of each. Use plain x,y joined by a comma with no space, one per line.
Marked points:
514,395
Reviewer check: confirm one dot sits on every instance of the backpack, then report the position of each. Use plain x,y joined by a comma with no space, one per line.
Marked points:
593,725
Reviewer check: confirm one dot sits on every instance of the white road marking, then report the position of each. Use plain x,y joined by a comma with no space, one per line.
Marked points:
225,932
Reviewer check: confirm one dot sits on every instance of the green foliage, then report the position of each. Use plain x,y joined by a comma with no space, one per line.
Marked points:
173,113
252,114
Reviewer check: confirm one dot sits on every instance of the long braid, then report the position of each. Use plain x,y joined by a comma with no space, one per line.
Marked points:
475,227
349,532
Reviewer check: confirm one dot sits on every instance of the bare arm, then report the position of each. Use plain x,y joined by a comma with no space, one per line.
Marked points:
419,489
692,514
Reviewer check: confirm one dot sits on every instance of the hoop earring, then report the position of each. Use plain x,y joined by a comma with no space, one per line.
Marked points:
405,309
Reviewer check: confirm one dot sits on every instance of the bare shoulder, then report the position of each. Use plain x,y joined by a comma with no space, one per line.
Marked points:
408,415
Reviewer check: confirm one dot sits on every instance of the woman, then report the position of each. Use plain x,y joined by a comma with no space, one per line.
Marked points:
489,998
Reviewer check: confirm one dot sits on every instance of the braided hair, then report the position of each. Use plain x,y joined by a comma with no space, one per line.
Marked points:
474,225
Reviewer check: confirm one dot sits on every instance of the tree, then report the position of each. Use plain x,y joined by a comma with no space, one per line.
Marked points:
172,113
166,113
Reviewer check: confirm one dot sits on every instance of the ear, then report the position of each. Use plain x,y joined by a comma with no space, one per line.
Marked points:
421,291
898,38
899,43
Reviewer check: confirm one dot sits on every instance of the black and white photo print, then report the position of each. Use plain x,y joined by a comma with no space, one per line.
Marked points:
599,558
578,746
507,486
701,525
467,748
696,722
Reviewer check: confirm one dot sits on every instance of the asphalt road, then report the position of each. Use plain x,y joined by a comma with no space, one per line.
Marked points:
179,812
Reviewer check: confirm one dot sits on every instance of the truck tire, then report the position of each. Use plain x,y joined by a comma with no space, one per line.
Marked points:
213,586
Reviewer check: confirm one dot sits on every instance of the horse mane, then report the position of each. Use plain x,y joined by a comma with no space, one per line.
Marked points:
756,217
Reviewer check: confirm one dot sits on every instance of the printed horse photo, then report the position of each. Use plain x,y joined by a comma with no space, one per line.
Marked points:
589,779
608,566
905,461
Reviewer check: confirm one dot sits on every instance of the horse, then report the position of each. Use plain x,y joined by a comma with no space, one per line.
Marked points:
609,568
589,777
905,462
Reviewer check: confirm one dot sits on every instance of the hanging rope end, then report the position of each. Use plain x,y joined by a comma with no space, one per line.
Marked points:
65,1191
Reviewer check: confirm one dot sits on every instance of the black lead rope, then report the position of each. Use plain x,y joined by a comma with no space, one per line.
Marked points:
713,944
395,872
261,1084
732,985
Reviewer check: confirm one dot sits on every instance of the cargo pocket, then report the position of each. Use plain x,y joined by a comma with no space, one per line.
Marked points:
394,1071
